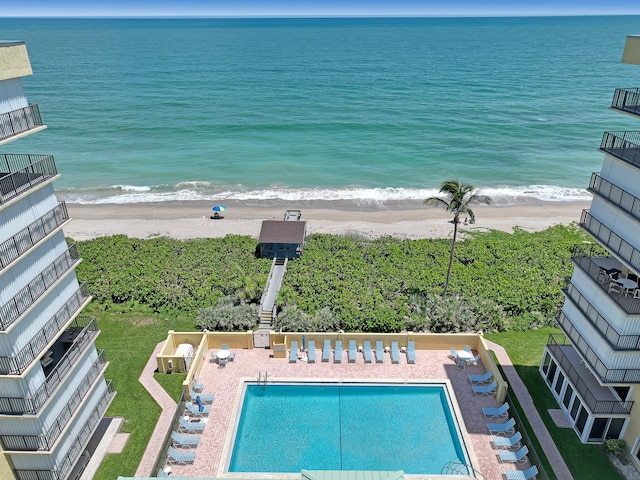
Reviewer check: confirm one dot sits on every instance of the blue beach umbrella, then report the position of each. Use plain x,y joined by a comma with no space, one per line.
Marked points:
219,208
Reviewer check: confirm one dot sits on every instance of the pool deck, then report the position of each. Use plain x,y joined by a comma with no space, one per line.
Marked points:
431,365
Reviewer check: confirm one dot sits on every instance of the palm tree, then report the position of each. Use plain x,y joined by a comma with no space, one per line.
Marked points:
460,197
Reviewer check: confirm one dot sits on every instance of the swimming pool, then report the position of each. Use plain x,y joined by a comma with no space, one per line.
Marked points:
284,428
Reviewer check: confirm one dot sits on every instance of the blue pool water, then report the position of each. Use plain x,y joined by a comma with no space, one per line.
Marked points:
287,428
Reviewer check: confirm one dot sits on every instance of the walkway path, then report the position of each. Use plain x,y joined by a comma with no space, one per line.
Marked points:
166,417
526,402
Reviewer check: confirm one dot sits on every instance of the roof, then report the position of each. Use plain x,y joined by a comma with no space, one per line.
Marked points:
351,475
282,231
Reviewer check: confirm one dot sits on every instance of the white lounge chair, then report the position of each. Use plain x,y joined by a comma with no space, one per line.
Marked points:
180,457
508,442
194,410
191,427
506,428
204,397
485,390
480,379
519,456
353,352
411,352
184,441
528,474
500,412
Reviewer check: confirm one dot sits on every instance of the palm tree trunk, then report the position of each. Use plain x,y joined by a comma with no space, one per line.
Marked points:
453,247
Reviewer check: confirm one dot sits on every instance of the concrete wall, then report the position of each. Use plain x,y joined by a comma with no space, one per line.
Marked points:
14,60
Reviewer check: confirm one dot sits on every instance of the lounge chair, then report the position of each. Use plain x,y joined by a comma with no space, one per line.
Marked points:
453,353
162,474
191,427
480,379
197,387
379,352
500,412
180,457
506,428
366,353
485,390
528,474
337,353
519,456
293,352
197,411
395,353
326,351
411,352
184,441
311,352
508,442
204,397
352,352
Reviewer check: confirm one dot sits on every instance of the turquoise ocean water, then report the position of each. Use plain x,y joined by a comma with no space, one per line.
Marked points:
360,112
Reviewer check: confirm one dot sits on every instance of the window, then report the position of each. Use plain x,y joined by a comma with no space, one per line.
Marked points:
545,362
552,372
567,396
582,419
597,429
575,407
559,383
615,427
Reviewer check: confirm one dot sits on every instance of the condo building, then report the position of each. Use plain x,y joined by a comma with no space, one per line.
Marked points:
53,393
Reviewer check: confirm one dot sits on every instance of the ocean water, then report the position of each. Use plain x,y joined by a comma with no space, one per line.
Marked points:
347,111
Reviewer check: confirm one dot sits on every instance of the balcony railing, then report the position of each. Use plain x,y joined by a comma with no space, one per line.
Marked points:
19,121
626,100
619,197
596,406
582,258
18,363
45,441
19,173
26,297
622,145
599,369
611,240
26,238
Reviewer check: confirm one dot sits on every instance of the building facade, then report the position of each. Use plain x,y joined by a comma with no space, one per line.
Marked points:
53,393
593,369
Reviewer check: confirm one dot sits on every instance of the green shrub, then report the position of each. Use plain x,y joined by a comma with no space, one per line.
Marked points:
614,446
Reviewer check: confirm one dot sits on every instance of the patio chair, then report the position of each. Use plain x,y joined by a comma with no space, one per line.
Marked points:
507,442
366,353
473,360
411,352
467,348
293,352
519,456
311,351
395,353
379,352
214,357
231,357
204,397
195,410
326,351
197,387
500,412
180,457
184,441
480,379
224,347
453,353
461,363
191,427
337,353
485,390
636,293
506,428
528,474
616,287
353,351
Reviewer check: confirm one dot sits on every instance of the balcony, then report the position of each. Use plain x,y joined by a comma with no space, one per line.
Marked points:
593,267
584,382
626,100
18,363
46,441
622,145
19,121
19,173
26,238
620,198
611,240
26,297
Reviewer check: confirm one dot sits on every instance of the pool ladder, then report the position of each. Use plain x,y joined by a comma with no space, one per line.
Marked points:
262,381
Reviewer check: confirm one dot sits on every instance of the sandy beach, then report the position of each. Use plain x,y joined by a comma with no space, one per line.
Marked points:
184,220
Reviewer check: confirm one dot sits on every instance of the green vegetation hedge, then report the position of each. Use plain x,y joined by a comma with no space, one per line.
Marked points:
499,281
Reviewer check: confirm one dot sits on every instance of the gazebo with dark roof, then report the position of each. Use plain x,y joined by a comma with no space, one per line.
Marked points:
282,239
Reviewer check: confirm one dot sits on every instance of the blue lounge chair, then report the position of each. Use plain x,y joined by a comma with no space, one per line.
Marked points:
204,397
184,441
480,379
366,353
326,351
411,352
528,474
197,387
337,353
293,352
506,428
379,352
311,351
197,410
180,457
191,427
519,456
485,390
500,412
395,353
508,442
353,352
